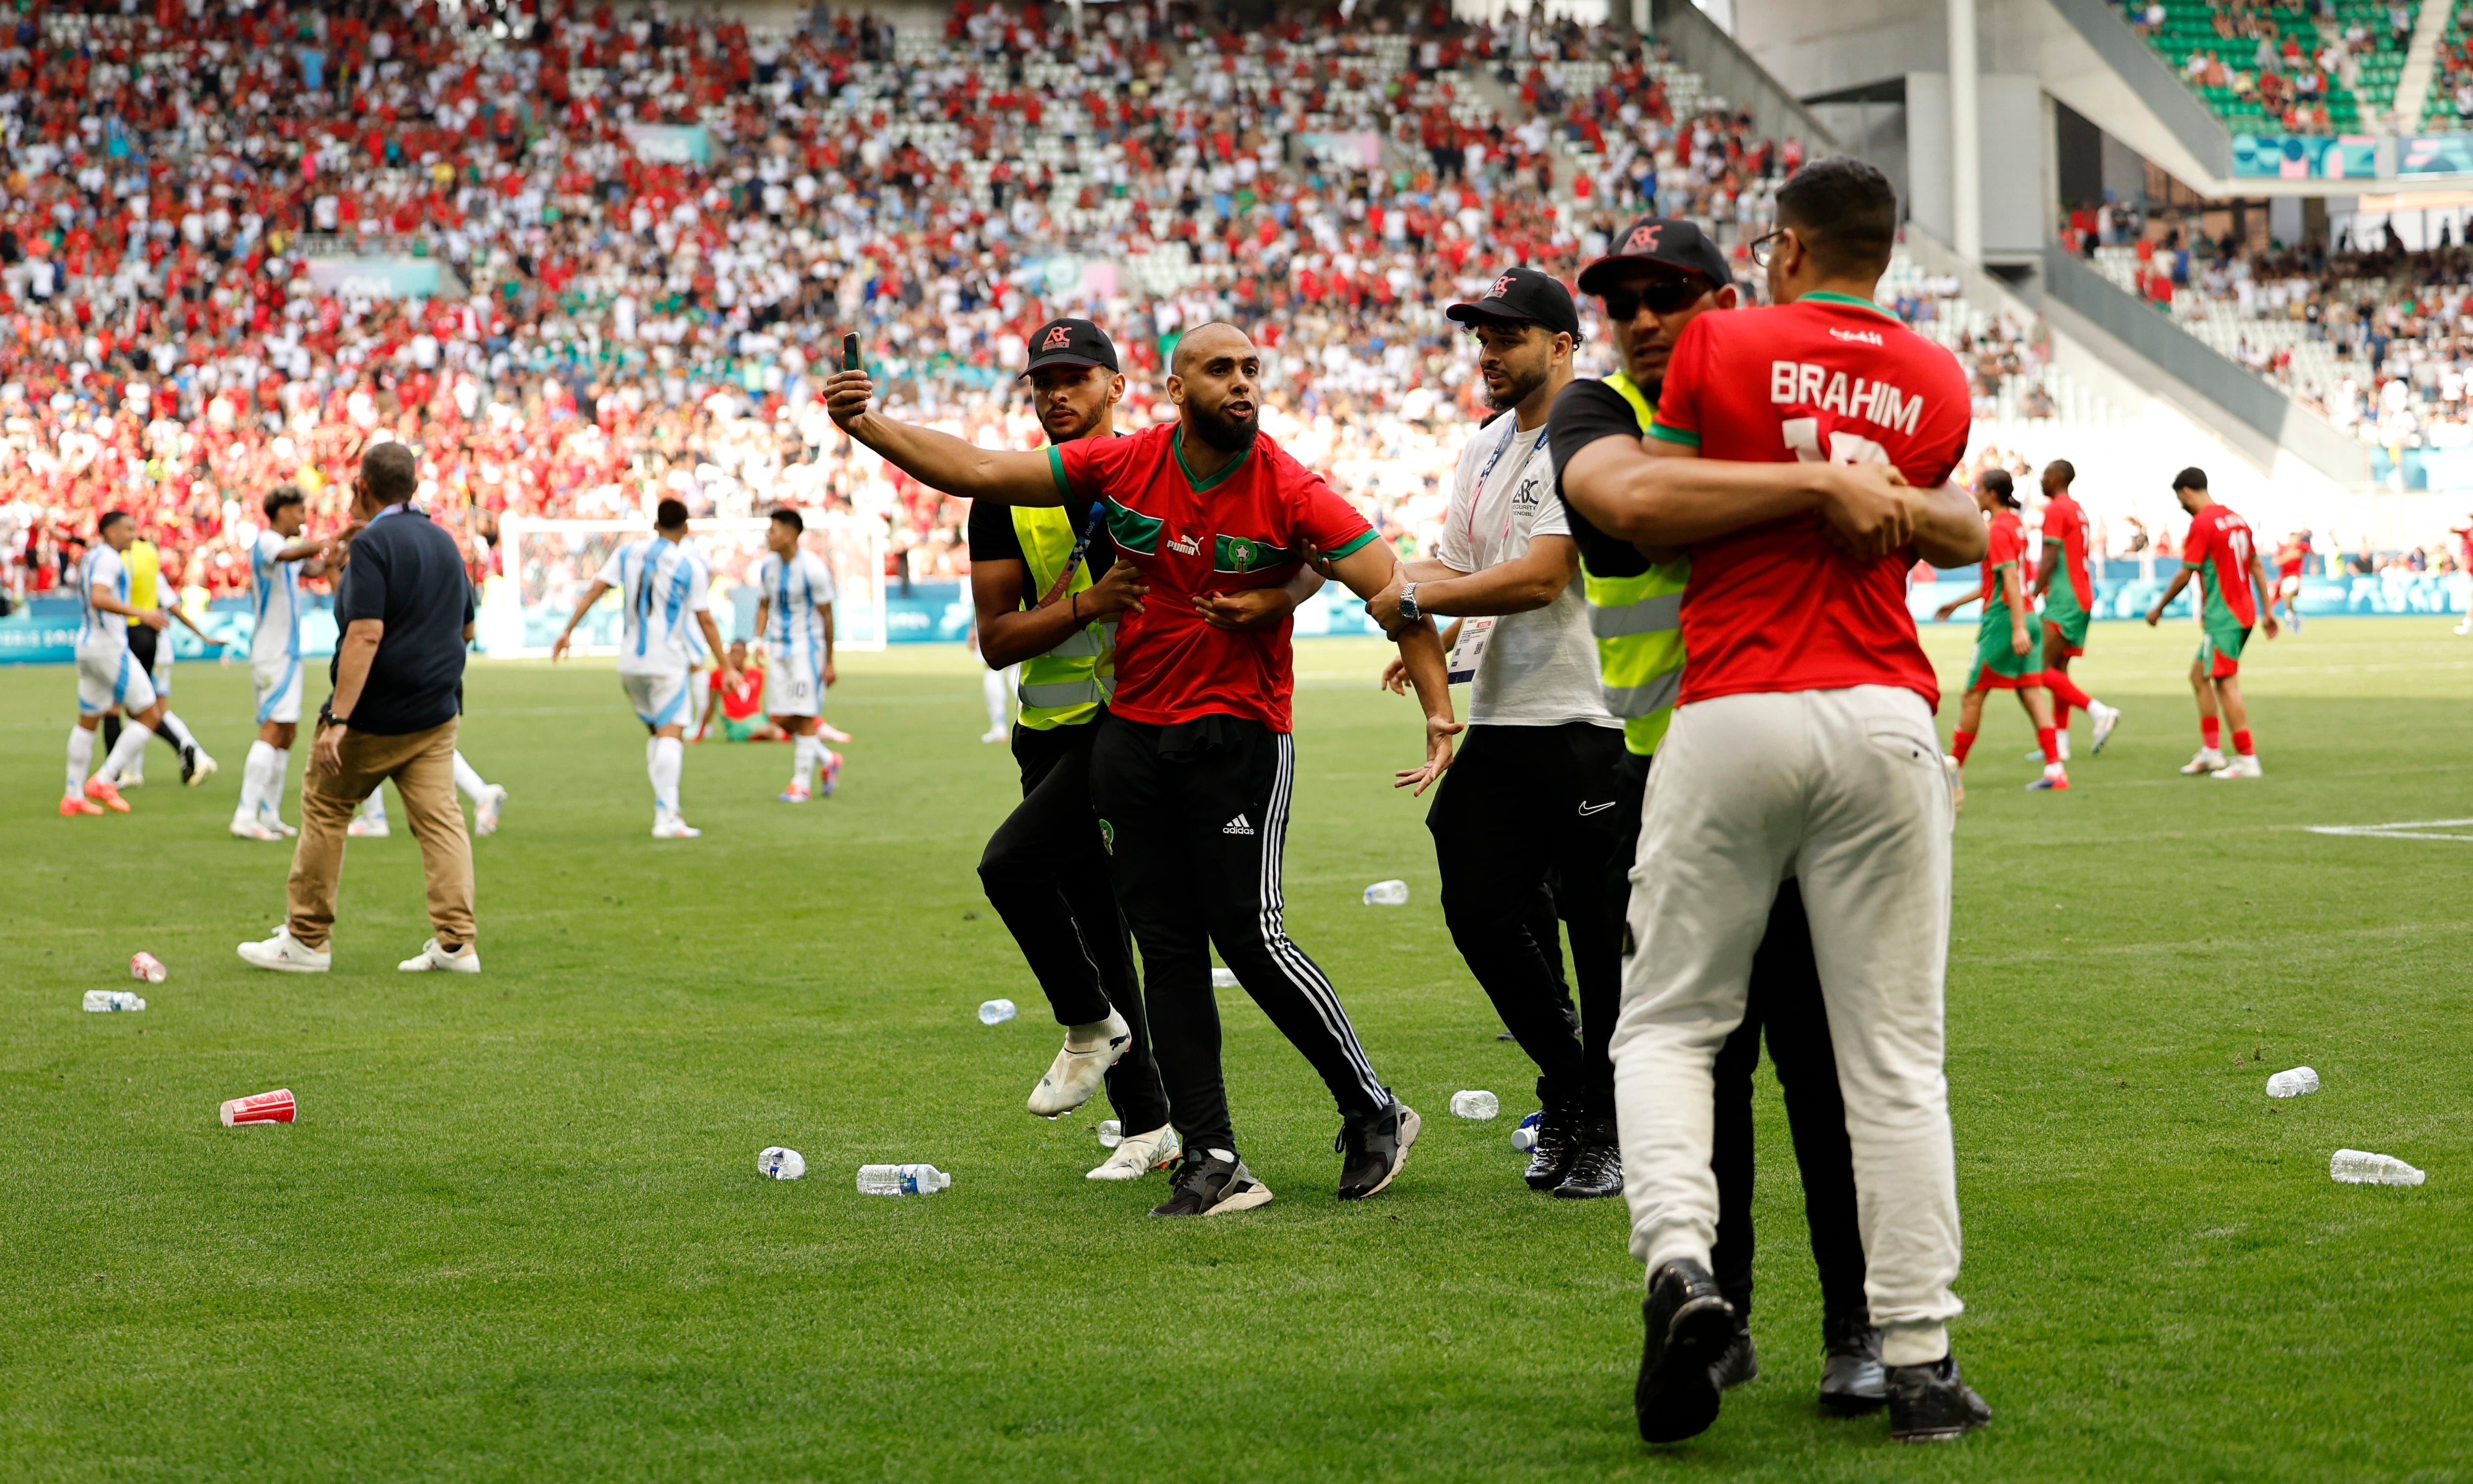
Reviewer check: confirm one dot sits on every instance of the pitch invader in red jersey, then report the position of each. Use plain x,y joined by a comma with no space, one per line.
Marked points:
2223,556
2067,586
2007,654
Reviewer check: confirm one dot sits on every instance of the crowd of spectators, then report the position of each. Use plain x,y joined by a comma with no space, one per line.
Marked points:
2318,68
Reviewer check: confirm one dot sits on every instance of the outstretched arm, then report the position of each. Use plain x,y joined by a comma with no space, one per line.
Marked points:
591,596
1368,571
940,459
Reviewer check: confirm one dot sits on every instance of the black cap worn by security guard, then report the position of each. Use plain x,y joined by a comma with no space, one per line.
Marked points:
1069,342
1664,242
1523,295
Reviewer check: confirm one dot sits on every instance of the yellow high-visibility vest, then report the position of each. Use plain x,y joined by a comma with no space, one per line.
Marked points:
1638,622
1065,687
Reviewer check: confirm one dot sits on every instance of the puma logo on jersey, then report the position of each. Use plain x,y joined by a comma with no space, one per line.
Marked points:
1185,546
1239,826
1802,384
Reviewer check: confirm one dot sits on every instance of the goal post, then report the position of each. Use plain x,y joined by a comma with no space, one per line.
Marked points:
546,565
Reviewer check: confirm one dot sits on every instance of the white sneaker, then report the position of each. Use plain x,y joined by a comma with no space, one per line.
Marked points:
1140,1155
1075,1074
2105,718
2467,627
132,776
250,829
2241,768
673,828
995,734
2207,759
285,952
1957,778
485,814
466,960
366,829
200,767
273,821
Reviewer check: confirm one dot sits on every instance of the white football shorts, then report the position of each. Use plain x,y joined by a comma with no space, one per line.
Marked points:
660,698
277,685
795,687
110,682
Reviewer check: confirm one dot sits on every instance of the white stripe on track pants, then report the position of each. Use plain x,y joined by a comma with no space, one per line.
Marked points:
1844,790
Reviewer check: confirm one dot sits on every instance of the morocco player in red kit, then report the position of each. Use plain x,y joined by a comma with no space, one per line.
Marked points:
1798,455
2222,555
2067,586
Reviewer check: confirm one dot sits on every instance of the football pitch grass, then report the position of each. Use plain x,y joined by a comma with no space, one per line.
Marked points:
519,1233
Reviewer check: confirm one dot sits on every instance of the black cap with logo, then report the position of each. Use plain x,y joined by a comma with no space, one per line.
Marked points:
1070,342
1665,242
1523,295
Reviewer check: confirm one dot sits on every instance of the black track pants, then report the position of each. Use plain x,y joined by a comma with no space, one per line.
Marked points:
1197,815
1526,809
1046,876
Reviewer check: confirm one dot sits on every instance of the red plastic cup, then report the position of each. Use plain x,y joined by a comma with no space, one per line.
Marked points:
149,967
276,1106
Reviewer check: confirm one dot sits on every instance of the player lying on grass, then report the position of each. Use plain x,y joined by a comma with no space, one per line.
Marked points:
2008,651
742,704
2223,556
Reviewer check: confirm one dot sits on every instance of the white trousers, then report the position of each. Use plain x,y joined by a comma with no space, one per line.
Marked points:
1844,790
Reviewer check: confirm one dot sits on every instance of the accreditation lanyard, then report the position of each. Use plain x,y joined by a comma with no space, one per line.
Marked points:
1476,496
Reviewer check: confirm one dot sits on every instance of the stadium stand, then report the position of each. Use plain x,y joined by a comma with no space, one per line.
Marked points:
2329,67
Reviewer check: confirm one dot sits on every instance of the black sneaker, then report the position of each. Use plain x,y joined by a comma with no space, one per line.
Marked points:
1852,1378
1688,1325
1930,1404
1597,1168
1372,1147
1740,1363
1212,1182
1558,1141
188,763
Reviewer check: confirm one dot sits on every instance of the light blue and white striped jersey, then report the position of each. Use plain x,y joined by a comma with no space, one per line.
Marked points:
275,589
666,583
101,636
794,587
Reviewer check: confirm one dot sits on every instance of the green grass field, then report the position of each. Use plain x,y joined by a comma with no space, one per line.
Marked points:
517,1233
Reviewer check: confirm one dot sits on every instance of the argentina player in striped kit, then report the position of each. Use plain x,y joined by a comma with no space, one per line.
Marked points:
663,580
795,615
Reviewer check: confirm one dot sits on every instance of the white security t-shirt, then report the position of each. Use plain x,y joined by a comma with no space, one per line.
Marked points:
1540,669
664,584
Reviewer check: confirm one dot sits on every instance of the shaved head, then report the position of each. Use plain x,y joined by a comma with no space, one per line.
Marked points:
1213,379
1217,335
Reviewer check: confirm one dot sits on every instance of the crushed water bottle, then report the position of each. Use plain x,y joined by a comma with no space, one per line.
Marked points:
996,1012
113,999
2360,1167
1524,1137
903,1180
2298,1081
1111,1133
1479,1105
780,1163
1387,894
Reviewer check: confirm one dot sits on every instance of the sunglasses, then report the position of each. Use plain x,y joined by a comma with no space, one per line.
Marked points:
1665,296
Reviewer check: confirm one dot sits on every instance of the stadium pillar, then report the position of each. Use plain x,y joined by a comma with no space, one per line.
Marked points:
1965,135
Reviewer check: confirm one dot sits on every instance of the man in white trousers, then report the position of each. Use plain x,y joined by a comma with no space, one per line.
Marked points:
1799,454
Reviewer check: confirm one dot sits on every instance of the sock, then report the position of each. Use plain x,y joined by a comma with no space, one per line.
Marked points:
110,730
669,756
652,770
993,688
134,738
2048,739
2061,717
81,758
2066,692
253,782
278,768
468,782
1960,743
176,731
804,761
2211,732
373,807
2242,743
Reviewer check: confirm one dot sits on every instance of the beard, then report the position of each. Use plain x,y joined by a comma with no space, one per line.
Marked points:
1226,434
1517,392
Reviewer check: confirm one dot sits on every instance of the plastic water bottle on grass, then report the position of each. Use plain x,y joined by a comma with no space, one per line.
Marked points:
1111,1133
113,999
1223,978
1524,1137
2298,1081
2360,1167
1479,1105
780,1163
996,1012
901,1180
1387,894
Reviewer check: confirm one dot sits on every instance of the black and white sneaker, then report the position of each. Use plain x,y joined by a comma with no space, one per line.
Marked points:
1372,1147
1930,1404
1852,1378
1558,1141
1597,1165
1212,1182
1688,1325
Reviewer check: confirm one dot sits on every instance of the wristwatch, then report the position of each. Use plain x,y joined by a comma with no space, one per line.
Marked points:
1408,608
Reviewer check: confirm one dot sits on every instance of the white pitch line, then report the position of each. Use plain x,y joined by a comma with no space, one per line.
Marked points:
2401,829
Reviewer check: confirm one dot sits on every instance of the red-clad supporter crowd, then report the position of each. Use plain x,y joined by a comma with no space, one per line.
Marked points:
581,260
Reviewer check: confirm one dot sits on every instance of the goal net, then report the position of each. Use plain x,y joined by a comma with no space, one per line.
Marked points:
548,566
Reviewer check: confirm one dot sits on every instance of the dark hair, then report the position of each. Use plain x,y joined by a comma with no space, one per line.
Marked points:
2067,471
393,471
669,515
789,518
2002,488
108,520
2191,478
282,495
1846,213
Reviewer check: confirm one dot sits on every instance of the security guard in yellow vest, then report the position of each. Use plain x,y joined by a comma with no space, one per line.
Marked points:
1049,591
1662,274
152,649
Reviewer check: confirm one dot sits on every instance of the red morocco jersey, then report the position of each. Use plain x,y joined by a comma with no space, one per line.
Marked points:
1243,527
1775,606
2065,541
2219,547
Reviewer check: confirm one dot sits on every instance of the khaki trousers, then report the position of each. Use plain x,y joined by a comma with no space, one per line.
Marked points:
422,765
